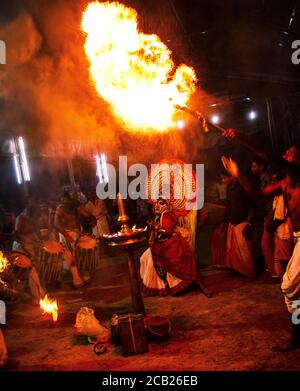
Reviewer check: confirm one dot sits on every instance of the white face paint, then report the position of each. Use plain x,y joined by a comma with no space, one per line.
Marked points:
161,206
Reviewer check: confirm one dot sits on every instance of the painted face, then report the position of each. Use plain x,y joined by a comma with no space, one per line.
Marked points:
161,206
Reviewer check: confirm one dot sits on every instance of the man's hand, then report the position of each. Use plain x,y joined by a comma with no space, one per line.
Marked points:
229,133
230,166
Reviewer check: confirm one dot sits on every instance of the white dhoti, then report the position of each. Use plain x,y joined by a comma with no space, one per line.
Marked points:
291,280
152,283
239,251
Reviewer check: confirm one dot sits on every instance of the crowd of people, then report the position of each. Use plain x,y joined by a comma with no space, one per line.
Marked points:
275,220
63,221
256,231
55,226
260,230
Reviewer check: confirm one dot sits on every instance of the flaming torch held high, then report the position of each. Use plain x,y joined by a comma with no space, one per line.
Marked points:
133,71
49,306
3,262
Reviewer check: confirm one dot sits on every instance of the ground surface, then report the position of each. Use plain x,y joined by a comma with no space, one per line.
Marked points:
234,330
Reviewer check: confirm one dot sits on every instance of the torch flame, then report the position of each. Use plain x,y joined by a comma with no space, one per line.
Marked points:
49,306
133,71
3,262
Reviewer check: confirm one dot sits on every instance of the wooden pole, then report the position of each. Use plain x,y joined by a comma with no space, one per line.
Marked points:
136,295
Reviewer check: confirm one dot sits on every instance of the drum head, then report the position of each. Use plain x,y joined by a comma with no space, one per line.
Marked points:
19,259
52,247
86,242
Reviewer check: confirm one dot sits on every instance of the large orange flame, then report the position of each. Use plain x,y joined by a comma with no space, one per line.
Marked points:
49,306
134,71
3,262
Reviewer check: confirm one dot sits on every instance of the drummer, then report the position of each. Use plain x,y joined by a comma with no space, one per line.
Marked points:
67,222
27,234
97,208
28,240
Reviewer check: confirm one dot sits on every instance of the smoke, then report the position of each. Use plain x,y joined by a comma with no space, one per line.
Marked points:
49,99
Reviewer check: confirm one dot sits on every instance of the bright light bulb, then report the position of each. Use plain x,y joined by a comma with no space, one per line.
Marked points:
215,119
252,115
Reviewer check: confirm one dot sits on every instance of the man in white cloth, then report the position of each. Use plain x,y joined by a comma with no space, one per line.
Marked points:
97,208
284,243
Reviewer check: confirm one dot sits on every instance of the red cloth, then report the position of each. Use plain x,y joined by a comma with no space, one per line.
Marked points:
175,254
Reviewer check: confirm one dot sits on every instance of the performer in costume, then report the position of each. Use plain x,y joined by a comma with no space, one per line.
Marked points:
169,265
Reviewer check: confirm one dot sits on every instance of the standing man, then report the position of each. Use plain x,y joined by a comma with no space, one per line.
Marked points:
263,237
238,219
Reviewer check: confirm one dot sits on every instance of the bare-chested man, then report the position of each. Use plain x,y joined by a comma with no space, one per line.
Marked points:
67,222
28,240
289,187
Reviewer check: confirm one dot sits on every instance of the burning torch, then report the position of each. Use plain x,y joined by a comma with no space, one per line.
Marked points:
200,117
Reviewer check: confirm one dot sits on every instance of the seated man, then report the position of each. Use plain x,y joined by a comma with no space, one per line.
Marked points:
169,265
67,223
27,241
97,208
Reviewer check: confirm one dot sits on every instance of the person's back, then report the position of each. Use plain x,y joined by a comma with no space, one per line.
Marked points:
25,229
239,203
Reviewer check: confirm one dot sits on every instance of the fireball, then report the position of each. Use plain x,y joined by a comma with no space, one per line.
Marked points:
133,71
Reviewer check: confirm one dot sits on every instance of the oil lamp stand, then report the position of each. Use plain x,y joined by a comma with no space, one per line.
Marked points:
126,239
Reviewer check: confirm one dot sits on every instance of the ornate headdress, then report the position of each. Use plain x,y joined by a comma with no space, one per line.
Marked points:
174,181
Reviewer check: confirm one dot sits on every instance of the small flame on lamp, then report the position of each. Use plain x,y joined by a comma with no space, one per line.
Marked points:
49,306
